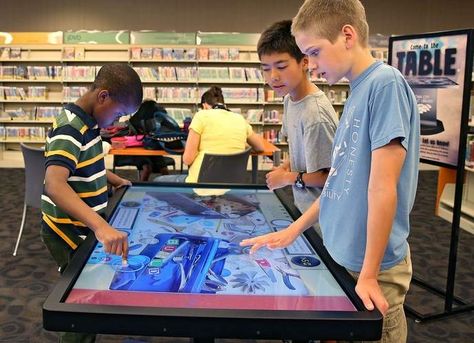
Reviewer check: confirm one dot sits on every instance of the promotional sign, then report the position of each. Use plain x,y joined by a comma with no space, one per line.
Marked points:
438,68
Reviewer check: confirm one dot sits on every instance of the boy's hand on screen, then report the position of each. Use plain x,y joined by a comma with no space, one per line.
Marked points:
274,240
371,294
122,183
114,241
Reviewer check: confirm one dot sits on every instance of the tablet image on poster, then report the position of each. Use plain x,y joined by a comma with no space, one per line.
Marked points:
435,66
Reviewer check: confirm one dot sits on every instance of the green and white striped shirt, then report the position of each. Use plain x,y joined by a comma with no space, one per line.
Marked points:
75,143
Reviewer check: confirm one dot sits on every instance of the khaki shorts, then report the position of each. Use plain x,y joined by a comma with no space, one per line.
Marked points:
394,283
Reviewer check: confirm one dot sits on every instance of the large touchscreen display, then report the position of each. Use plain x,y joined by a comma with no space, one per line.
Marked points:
185,253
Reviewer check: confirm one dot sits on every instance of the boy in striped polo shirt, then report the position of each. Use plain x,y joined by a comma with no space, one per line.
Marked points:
75,190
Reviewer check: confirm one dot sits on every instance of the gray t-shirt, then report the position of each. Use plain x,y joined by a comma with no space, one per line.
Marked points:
310,125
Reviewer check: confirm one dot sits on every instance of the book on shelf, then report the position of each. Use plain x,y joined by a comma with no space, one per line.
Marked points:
272,116
223,54
254,115
176,94
223,74
8,72
213,54
14,93
25,133
79,53
21,72
207,73
190,54
19,114
37,92
47,112
157,54
253,75
69,53
73,93
5,53
178,54
135,53
15,53
167,54
147,53
237,74
203,54
234,54
179,114
149,93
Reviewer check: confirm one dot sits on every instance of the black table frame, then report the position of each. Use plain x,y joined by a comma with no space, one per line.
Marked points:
207,324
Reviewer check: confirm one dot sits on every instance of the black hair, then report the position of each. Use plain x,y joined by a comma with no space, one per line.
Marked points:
277,38
122,82
213,96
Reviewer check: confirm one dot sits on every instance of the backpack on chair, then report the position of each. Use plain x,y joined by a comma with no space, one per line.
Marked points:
160,130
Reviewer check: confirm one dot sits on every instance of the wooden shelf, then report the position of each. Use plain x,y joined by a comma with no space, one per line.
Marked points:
27,121
30,81
26,101
446,205
21,140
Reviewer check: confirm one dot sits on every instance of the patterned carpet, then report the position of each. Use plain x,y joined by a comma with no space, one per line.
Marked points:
27,279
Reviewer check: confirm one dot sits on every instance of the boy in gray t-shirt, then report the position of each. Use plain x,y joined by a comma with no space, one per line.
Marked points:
309,120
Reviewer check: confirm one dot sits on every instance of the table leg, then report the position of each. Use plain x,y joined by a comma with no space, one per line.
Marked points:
254,168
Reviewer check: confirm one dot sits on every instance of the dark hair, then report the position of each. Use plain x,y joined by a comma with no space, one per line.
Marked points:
122,82
278,39
213,96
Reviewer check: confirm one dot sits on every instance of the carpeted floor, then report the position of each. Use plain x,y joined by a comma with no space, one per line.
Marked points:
27,279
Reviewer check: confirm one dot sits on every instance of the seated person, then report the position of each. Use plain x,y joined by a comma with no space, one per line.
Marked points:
214,130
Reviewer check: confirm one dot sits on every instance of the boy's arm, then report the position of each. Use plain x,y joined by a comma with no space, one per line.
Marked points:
385,170
116,181
59,191
283,238
281,177
192,147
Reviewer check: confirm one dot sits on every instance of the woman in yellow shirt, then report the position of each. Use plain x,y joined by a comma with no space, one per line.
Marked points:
214,130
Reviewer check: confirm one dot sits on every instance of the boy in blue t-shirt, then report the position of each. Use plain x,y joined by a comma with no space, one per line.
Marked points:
364,208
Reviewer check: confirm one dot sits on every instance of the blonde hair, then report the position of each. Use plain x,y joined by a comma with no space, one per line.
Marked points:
327,17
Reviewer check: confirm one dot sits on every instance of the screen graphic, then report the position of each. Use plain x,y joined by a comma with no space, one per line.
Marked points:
184,252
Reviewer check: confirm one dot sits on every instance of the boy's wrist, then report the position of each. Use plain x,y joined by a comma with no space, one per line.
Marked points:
369,273
291,178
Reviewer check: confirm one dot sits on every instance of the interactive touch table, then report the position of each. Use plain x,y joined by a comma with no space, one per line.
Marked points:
188,276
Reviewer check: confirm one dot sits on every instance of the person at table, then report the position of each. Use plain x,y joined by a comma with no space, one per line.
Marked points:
214,130
309,121
364,208
75,193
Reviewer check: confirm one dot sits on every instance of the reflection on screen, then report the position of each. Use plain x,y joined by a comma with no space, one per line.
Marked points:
184,250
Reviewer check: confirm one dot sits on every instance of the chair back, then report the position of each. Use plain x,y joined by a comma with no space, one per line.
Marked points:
220,168
34,174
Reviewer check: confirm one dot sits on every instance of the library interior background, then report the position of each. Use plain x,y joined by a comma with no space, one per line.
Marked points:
50,52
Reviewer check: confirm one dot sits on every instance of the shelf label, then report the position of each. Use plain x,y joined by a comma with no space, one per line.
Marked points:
96,37
31,37
227,38
164,38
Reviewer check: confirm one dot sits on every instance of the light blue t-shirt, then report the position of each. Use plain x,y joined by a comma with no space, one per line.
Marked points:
381,107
